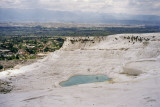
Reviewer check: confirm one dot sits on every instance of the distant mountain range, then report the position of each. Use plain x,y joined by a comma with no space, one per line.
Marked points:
38,15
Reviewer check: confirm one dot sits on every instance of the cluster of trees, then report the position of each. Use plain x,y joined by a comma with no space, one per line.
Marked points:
3,57
1,67
9,46
136,38
27,47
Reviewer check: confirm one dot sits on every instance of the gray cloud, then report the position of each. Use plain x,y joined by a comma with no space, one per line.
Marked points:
104,6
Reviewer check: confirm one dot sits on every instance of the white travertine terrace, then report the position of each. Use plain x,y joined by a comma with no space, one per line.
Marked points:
133,65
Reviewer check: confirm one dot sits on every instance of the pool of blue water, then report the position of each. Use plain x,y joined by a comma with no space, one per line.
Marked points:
84,79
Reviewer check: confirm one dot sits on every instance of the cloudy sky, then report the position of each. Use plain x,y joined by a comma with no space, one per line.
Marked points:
148,7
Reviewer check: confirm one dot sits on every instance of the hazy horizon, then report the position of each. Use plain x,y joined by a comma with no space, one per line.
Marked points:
81,11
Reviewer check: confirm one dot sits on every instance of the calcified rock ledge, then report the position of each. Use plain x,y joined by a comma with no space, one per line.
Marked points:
131,60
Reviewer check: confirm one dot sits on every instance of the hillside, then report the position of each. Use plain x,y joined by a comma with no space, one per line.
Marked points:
130,60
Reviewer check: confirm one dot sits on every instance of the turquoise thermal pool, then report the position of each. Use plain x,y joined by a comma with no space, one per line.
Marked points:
84,79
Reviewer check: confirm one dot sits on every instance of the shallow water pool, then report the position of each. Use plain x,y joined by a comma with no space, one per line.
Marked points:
84,79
